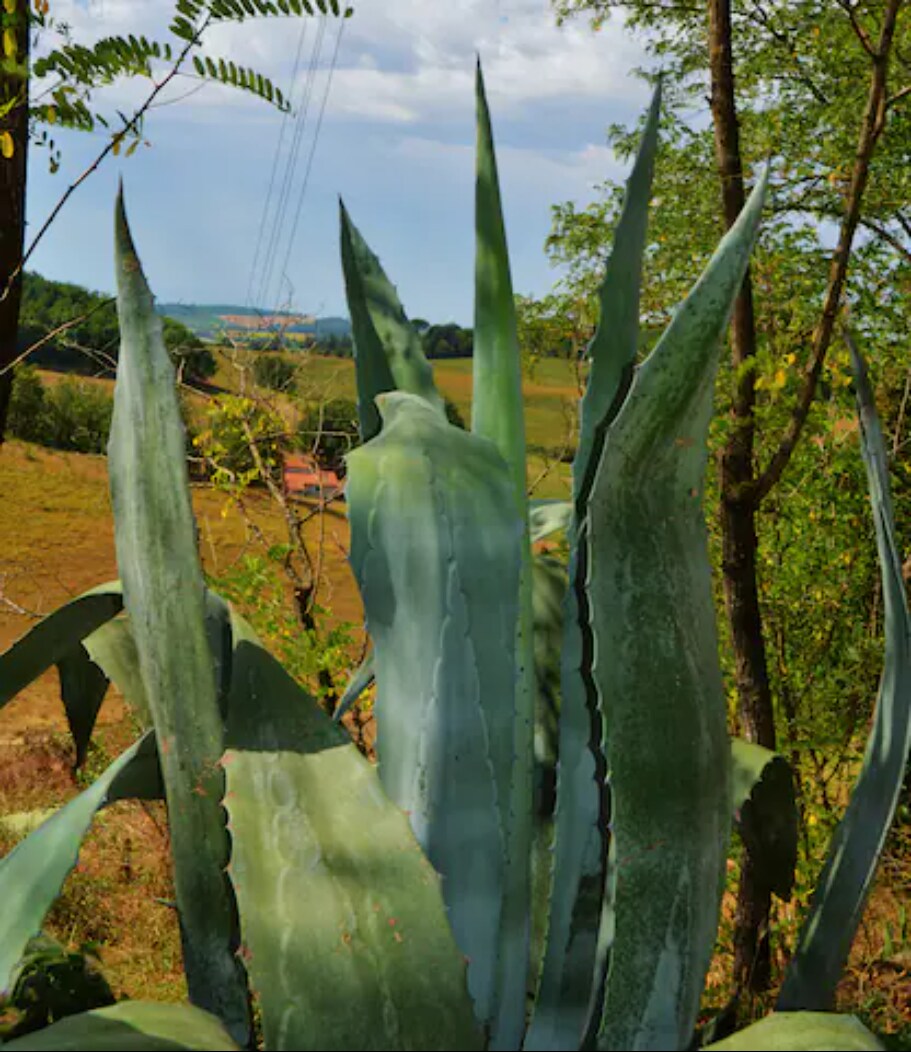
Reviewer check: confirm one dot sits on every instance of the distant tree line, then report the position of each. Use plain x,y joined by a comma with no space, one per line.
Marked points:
440,341
91,346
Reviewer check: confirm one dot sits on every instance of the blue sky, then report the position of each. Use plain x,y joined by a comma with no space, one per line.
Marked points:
397,142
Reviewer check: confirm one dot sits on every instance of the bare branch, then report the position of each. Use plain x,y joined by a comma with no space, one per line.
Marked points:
871,127
131,125
53,334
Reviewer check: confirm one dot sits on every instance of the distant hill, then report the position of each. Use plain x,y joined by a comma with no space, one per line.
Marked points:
208,320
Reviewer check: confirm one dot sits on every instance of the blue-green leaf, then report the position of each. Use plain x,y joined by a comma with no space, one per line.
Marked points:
131,1026
164,595
656,670
801,1032
336,899
113,649
838,903
371,367
435,550
55,636
765,813
82,689
360,680
498,414
387,346
571,975
549,516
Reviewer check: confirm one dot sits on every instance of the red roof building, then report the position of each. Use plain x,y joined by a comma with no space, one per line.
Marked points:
303,477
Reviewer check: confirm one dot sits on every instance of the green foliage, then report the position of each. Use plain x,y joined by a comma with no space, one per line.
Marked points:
92,345
275,371
240,440
72,414
328,430
447,341
67,76
316,656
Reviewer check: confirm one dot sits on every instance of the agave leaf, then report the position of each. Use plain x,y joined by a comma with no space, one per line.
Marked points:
498,414
497,408
372,371
131,1026
360,680
656,670
55,636
164,595
435,550
548,516
388,350
801,1032
765,812
334,893
32,874
549,587
82,687
613,349
841,893
567,985
113,649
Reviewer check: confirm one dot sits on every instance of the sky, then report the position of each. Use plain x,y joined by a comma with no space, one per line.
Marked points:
396,141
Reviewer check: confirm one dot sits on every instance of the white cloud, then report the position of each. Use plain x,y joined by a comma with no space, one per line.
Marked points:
400,61
526,171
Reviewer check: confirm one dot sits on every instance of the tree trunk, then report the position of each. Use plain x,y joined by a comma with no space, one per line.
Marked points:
13,84
738,507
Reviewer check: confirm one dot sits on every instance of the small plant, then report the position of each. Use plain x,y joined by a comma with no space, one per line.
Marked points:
395,907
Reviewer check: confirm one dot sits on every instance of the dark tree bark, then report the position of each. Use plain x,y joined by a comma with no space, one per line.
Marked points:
738,506
13,169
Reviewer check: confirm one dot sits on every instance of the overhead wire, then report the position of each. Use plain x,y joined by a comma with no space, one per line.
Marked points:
308,169
267,201
290,168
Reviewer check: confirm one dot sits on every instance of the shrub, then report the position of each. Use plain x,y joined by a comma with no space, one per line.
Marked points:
233,427
275,372
27,405
71,415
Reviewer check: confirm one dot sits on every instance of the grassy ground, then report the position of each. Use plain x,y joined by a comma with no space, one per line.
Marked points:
58,541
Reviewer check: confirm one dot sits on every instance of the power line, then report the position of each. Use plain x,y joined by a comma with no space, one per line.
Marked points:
319,124
267,202
299,125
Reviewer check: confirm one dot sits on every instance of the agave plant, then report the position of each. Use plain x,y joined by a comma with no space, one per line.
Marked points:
422,903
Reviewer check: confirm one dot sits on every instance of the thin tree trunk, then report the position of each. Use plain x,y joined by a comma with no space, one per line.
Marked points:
741,489
738,507
12,202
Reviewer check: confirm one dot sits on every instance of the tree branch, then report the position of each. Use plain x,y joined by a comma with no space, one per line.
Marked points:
130,125
862,35
871,127
55,333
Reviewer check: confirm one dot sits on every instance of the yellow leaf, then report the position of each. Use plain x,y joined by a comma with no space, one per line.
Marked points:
9,6
780,378
9,43
7,146
51,115
116,147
